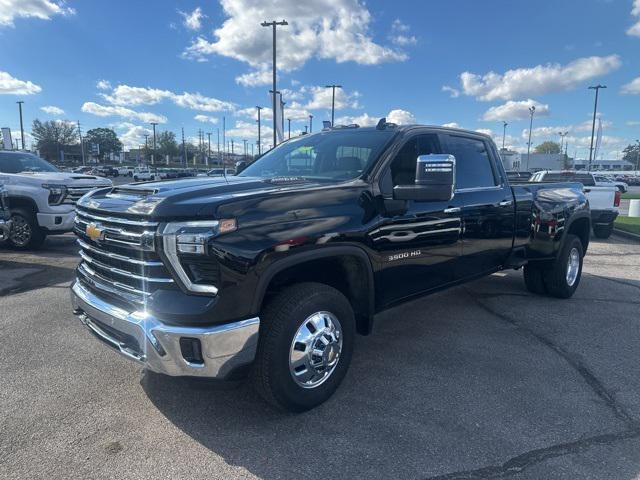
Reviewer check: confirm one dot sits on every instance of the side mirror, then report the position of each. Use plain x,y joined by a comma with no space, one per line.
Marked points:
435,179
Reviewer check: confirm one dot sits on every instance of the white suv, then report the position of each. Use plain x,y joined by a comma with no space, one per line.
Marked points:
41,198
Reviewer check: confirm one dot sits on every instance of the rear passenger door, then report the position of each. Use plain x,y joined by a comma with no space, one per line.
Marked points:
487,205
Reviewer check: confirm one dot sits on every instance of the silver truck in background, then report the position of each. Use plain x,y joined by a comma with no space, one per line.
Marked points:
604,199
41,198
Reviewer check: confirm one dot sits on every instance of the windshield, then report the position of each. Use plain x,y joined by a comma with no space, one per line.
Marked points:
327,156
24,162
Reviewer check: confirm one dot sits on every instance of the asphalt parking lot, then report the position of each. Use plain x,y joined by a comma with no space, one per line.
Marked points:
482,381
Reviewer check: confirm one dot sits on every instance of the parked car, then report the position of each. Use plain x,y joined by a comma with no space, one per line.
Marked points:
144,174
125,171
604,180
41,198
5,214
604,200
106,171
273,274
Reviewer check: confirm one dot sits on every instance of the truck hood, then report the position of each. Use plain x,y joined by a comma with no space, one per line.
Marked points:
61,178
189,198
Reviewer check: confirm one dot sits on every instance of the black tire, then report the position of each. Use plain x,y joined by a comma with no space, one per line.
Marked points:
281,320
25,232
555,277
533,278
603,231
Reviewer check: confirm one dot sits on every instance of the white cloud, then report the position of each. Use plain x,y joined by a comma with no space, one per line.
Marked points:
633,123
398,116
536,80
321,98
12,86
42,9
632,88
51,110
453,92
193,20
401,117
133,135
112,111
513,110
127,96
552,131
399,34
451,125
103,85
205,119
634,30
485,131
325,29
256,78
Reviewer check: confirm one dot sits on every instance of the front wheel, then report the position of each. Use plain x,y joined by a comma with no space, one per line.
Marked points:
25,231
305,346
603,231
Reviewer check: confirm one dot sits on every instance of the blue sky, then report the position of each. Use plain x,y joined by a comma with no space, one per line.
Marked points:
188,64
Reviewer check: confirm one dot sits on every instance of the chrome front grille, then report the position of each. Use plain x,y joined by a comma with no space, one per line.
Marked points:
74,193
118,255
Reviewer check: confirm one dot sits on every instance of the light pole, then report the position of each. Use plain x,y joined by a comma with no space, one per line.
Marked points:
21,127
224,139
209,147
146,144
81,142
289,121
333,100
593,125
259,134
562,135
274,24
184,150
153,154
219,159
310,123
532,110
504,132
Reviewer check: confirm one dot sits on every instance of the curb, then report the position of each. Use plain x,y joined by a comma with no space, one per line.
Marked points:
626,234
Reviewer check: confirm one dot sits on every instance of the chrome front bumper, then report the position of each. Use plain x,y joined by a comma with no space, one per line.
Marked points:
143,338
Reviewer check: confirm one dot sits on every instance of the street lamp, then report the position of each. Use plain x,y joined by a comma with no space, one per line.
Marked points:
593,125
504,132
310,123
562,135
21,127
532,110
274,24
259,136
153,155
333,99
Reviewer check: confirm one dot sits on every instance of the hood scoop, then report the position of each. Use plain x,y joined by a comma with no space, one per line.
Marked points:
131,192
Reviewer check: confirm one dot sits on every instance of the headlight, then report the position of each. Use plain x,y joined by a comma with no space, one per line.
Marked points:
56,193
180,239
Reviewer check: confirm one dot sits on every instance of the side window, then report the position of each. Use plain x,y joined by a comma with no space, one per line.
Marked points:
473,164
403,167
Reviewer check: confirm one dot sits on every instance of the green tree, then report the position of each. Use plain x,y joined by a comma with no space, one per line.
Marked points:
52,136
631,153
106,138
166,144
548,147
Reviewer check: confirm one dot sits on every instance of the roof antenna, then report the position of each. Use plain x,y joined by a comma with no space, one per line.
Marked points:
381,123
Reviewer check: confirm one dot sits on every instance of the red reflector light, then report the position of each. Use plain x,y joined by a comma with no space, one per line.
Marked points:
616,200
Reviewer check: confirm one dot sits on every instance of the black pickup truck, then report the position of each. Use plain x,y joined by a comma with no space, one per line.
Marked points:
272,272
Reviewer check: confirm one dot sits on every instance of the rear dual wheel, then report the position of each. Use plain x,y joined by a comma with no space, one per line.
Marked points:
559,278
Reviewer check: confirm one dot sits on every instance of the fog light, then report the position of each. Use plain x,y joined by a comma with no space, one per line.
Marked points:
191,350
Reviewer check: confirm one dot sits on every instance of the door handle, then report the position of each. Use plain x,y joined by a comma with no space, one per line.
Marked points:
452,210
506,203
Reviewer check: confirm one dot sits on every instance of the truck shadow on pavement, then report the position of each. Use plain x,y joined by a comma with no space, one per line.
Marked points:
447,385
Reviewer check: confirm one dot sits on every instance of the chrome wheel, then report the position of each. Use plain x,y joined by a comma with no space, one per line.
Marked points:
315,349
573,266
20,231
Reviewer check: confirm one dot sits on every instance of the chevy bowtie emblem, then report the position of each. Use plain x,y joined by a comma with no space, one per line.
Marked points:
94,232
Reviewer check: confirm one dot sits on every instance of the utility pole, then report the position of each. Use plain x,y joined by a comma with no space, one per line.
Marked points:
244,148
289,120
219,158
504,132
146,143
232,148
224,144
81,143
259,135
153,154
184,150
274,24
333,100
532,110
310,123
22,128
208,148
593,125
562,135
